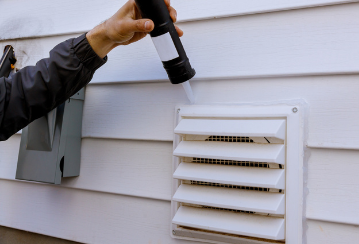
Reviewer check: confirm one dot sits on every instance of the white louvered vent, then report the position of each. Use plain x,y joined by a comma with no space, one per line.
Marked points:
231,175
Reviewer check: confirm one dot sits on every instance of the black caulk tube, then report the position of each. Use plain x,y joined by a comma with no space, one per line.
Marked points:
167,41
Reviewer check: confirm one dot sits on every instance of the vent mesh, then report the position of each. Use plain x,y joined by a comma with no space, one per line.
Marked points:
222,209
202,183
231,210
230,139
230,162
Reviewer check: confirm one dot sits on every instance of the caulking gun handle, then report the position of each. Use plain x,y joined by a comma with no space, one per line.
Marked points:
7,61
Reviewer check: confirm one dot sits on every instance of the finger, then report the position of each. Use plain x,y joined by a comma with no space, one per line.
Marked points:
179,31
173,13
168,3
128,6
137,11
141,25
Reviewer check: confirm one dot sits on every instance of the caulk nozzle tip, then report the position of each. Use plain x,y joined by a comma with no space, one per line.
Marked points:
187,88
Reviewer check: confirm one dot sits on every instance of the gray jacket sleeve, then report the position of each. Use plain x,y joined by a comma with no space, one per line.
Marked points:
34,91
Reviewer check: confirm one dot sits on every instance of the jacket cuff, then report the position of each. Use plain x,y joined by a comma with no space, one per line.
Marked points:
86,54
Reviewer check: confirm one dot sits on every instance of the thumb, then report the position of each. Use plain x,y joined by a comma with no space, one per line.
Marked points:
141,25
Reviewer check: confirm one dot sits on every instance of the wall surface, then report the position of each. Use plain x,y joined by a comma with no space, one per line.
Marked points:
244,52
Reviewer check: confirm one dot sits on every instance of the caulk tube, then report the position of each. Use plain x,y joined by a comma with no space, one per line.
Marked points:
167,41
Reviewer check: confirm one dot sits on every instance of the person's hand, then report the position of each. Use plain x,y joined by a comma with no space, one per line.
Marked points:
124,27
127,25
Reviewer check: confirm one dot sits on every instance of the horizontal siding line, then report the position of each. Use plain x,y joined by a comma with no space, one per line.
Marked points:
126,138
45,36
316,145
116,138
308,145
215,78
92,190
329,220
212,15
265,11
124,82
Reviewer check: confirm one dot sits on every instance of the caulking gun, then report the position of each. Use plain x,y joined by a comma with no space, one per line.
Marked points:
168,44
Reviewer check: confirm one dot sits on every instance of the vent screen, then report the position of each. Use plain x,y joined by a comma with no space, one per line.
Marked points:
201,183
230,139
230,162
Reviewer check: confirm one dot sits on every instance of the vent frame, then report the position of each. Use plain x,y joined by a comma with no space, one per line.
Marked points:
294,159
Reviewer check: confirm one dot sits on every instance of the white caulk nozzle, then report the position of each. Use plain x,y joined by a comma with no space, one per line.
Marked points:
188,90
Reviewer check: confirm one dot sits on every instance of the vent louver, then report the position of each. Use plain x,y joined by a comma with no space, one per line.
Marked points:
231,140
225,178
232,178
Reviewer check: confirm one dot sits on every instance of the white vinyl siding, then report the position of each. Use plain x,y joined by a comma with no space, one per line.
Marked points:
325,191
41,18
84,216
286,43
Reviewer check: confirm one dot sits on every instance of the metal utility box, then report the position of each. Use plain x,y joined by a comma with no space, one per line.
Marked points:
50,146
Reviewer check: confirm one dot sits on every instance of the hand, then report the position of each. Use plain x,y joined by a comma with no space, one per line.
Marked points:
124,27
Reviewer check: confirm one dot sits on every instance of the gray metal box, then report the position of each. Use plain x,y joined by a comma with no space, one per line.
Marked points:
50,146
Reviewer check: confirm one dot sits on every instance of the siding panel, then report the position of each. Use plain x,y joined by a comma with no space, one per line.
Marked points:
146,111
137,168
84,216
330,233
132,111
90,217
321,40
41,17
333,186
143,168
9,151
332,111
29,51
